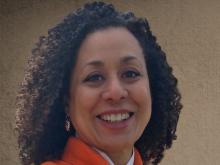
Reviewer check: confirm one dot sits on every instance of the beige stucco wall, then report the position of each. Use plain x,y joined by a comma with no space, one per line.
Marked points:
187,30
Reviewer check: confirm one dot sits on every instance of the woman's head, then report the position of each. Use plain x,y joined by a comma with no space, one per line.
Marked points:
56,81
110,101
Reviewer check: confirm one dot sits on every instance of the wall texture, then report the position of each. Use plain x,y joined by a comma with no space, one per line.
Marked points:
187,30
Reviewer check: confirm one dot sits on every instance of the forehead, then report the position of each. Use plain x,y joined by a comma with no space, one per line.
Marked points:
108,43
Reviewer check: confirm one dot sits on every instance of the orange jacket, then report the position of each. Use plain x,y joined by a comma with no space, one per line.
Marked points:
78,153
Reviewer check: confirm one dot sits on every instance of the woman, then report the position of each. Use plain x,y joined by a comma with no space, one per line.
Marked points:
101,74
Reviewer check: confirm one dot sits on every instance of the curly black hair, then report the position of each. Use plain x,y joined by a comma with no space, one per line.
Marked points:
41,105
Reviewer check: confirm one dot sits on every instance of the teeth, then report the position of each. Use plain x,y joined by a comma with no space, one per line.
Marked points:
115,117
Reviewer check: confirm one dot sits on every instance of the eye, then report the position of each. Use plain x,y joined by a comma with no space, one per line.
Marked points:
130,74
94,78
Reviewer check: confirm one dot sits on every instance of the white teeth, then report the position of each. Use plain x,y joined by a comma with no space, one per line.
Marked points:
115,117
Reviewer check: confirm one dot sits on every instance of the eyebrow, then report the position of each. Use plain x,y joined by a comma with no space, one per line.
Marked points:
95,63
99,63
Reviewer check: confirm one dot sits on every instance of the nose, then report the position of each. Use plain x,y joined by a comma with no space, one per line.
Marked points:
115,90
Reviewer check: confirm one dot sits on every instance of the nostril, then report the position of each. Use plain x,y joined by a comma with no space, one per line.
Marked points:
115,94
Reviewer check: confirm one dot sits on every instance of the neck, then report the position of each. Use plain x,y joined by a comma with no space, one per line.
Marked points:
121,157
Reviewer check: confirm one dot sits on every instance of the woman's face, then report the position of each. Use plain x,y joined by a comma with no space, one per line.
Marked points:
110,102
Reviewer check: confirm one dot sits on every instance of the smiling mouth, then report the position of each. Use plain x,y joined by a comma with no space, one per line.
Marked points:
113,118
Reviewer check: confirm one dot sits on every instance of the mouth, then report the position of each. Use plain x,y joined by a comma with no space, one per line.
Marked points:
115,118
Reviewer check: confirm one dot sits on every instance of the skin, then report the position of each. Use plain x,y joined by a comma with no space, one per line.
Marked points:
110,76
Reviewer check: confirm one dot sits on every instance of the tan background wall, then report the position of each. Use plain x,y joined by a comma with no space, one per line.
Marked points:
187,30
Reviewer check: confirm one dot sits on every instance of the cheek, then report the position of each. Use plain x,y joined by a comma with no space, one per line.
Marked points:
142,93
85,99
143,99
82,109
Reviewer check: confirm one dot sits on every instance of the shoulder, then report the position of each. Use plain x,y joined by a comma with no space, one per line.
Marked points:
57,162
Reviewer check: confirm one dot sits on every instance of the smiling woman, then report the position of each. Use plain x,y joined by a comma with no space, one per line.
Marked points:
97,90
115,85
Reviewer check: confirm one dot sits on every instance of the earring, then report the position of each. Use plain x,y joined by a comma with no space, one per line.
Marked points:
67,123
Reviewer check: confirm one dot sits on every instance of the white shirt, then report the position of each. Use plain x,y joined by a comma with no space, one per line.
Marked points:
130,162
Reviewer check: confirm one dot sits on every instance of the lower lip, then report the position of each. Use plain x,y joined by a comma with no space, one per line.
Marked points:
116,125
